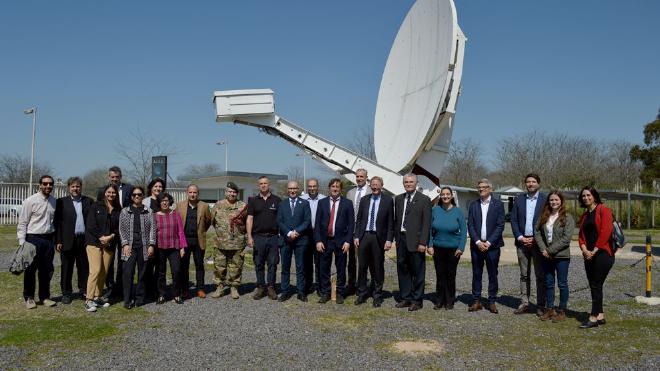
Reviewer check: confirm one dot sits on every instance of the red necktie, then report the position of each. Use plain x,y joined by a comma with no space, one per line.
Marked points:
331,231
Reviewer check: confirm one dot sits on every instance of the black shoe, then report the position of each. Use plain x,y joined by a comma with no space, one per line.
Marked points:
340,299
438,306
589,324
360,300
101,302
161,300
601,322
350,290
413,307
324,299
302,297
66,299
129,305
449,306
283,297
178,300
377,303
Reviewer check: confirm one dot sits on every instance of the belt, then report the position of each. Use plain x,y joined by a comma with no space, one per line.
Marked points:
266,234
331,237
42,235
370,232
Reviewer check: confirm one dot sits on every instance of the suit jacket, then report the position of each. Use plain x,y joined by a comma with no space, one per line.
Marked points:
204,219
384,219
494,223
65,219
300,221
351,196
418,220
344,222
519,214
126,190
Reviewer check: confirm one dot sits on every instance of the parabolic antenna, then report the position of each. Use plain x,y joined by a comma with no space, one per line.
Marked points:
414,113
414,90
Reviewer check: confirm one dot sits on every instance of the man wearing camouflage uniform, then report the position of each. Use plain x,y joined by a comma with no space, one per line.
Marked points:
229,224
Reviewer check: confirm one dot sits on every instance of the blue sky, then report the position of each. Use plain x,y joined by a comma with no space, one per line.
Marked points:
97,70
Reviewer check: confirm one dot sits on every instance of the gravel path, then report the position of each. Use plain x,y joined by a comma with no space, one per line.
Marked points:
246,334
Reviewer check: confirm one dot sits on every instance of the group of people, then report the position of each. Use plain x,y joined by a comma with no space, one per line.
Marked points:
146,230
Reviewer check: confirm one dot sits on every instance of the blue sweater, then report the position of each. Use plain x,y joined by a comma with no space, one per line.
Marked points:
448,228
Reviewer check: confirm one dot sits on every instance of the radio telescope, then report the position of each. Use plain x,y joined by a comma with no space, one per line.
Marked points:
415,110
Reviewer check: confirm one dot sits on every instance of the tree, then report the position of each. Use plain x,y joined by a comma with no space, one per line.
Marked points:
16,169
649,155
464,164
199,171
94,179
139,150
362,142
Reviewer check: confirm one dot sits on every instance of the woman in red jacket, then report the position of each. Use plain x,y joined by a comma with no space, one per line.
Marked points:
594,239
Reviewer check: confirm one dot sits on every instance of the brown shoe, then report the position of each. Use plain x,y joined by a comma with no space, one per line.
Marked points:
476,306
402,304
548,314
521,309
271,293
201,294
259,294
493,308
559,316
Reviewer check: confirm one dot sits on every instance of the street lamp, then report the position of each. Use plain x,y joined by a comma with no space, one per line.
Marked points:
226,144
304,170
32,111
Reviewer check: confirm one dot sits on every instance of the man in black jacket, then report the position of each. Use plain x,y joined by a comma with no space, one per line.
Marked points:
70,216
411,229
374,229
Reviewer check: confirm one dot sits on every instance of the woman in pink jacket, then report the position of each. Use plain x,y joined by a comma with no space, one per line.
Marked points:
171,246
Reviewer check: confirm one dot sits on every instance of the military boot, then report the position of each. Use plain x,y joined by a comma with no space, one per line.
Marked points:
219,292
234,293
260,293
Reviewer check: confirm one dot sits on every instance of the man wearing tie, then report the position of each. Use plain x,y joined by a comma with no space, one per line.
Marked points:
333,234
312,267
355,194
485,227
293,218
374,229
412,226
70,216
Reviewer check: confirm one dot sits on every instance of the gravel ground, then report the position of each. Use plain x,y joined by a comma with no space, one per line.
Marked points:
247,334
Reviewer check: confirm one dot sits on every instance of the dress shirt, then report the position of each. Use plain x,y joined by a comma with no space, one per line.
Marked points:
374,203
529,215
80,220
313,203
334,217
549,225
484,215
292,205
405,205
36,217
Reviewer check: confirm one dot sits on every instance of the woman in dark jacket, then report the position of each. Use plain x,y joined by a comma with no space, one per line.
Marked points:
595,233
553,238
155,187
137,233
100,236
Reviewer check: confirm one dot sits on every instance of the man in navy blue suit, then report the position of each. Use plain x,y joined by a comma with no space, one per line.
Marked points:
525,215
293,218
485,227
333,233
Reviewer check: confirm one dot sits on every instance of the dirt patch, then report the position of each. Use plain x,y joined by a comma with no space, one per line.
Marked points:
419,347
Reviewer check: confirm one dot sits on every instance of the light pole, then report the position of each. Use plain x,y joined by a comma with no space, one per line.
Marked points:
226,144
32,111
304,170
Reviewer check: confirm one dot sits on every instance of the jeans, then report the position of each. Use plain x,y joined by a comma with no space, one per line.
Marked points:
560,268
298,251
43,262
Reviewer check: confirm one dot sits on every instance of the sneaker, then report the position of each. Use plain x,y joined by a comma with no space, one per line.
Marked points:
48,303
30,304
66,299
219,292
234,293
101,302
90,306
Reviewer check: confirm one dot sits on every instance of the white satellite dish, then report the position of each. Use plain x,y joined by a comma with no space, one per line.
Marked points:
414,113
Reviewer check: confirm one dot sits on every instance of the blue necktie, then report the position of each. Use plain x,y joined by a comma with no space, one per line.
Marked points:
372,214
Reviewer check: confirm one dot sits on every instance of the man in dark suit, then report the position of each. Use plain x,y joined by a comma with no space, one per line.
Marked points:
293,218
333,233
114,281
412,224
374,230
485,227
355,195
527,208
70,216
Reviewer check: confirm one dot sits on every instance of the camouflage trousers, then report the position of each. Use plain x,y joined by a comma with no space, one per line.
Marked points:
228,267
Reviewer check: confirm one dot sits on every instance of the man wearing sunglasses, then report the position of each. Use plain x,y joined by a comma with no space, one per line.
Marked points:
36,226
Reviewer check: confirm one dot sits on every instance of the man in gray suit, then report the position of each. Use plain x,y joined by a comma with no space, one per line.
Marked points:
355,195
412,223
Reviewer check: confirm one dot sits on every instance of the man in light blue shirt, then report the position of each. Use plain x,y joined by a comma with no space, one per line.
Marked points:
311,256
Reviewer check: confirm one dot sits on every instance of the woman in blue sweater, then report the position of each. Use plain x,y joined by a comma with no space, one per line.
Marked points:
447,242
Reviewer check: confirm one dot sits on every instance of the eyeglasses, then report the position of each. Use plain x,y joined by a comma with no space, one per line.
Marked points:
137,195
47,183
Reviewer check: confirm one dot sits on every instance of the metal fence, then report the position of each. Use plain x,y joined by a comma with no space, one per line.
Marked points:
12,196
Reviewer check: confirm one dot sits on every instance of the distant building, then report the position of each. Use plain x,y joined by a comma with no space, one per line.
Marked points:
212,188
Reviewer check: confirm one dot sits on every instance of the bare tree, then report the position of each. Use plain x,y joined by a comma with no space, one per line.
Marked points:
464,164
362,142
16,169
621,172
94,179
198,171
139,150
295,173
